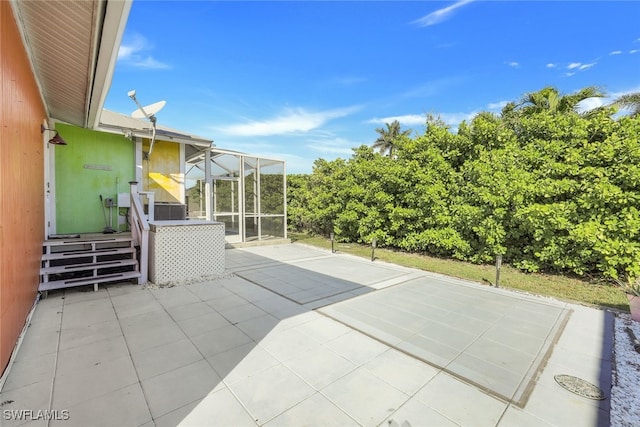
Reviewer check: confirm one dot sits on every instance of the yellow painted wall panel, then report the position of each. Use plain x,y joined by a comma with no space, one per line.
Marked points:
161,172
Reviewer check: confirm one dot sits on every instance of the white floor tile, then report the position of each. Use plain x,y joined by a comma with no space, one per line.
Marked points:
357,347
123,407
317,410
364,397
320,366
78,385
416,414
286,344
220,340
271,392
179,387
460,402
405,373
218,408
165,358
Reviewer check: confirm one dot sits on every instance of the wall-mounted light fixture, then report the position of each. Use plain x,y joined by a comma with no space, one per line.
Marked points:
57,139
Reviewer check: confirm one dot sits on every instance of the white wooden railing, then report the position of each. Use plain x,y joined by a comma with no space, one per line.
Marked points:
140,226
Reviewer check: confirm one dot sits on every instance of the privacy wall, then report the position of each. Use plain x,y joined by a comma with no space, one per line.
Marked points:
21,184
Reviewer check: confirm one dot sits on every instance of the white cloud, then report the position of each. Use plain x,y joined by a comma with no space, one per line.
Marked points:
332,146
497,105
451,119
614,95
133,52
296,164
513,64
550,65
589,104
258,148
454,119
578,66
633,51
615,52
407,120
291,121
440,15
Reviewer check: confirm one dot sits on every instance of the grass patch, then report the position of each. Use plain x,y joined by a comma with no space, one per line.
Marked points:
561,287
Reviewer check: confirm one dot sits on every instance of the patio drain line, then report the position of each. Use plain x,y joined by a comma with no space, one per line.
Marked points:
580,387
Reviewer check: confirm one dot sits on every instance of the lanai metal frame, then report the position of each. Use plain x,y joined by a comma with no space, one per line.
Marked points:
247,192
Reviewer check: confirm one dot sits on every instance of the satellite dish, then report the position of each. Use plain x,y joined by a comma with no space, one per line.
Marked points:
148,112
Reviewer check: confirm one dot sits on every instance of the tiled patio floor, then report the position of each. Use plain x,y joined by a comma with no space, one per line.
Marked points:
243,350
492,339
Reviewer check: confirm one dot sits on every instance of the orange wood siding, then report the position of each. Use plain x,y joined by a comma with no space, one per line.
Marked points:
21,184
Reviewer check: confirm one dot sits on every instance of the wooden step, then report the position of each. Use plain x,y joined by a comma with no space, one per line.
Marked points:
88,260
67,283
87,240
71,268
87,253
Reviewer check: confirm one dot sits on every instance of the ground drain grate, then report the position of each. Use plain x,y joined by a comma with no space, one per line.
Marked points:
580,387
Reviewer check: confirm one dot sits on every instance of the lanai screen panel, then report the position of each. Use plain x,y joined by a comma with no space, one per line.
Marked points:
251,200
194,190
272,200
248,194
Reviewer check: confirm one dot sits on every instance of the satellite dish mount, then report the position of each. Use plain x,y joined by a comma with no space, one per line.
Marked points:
148,112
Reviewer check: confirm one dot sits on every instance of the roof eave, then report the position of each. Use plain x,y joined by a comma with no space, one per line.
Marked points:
129,132
110,34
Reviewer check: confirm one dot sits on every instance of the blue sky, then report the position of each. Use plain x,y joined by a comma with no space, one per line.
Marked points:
312,79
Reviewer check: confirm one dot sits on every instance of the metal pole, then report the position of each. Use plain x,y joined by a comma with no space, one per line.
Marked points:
258,198
498,266
208,201
332,236
284,197
242,207
373,249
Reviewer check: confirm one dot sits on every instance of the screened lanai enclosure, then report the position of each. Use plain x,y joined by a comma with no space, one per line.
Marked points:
248,193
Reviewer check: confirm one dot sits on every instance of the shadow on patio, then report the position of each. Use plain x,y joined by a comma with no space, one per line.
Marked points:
249,348
155,353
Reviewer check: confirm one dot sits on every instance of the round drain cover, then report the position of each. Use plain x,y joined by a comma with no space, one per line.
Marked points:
580,387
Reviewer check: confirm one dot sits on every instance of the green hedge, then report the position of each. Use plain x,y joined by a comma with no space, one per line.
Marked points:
555,192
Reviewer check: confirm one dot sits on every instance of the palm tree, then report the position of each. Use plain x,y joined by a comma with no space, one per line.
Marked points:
630,101
387,141
551,100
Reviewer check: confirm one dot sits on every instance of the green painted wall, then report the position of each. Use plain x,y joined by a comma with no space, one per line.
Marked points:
85,169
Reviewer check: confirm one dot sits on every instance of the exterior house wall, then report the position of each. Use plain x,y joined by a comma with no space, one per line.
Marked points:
21,184
92,164
161,172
